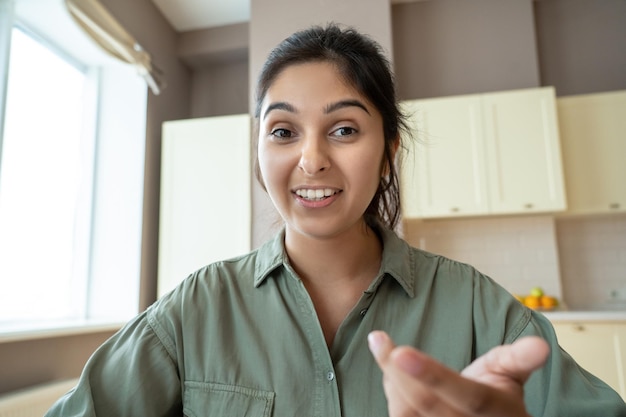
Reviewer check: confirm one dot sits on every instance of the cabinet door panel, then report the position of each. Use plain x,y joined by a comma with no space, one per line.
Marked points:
594,151
595,346
442,174
205,195
620,330
525,171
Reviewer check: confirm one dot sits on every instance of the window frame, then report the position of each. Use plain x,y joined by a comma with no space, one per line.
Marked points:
120,96
84,205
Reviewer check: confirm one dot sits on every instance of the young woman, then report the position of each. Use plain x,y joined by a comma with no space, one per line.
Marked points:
307,324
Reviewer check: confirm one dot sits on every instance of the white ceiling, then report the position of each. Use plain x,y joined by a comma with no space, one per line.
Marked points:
186,15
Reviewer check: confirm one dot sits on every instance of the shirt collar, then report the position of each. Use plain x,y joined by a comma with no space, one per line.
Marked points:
270,256
397,260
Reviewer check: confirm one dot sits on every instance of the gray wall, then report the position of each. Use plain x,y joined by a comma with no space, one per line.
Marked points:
582,45
37,361
218,58
220,91
451,47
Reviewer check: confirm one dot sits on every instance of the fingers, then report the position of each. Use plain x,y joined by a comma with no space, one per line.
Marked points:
380,345
387,355
514,362
492,385
407,376
396,382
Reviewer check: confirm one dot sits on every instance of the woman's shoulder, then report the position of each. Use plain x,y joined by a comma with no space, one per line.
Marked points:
233,275
222,274
400,255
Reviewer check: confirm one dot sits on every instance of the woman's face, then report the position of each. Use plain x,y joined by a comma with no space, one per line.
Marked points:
321,149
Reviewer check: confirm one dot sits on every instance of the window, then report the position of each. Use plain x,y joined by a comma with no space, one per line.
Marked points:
45,185
71,177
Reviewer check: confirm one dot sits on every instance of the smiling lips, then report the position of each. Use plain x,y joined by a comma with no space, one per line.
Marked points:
315,195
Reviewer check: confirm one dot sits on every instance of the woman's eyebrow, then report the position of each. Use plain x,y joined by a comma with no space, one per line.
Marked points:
280,105
343,104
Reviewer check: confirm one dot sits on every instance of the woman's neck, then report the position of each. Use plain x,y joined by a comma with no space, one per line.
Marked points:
353,255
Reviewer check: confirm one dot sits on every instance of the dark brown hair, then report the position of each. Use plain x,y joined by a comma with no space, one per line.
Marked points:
363,65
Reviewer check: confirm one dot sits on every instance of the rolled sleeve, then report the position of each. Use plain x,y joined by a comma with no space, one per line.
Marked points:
562,387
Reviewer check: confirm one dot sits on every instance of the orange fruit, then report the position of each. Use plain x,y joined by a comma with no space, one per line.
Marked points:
548,301
532,301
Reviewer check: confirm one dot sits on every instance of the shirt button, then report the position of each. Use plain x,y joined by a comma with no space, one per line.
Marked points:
362,312
330,375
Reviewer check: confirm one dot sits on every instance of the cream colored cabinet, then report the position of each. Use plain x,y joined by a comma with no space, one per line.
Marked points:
620,347
205,202
495,153
597,347
442,174
593,133
525,171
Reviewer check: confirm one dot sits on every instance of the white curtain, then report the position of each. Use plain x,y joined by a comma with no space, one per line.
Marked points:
96,20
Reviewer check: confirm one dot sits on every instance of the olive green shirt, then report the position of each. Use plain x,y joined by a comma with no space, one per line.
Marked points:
241,338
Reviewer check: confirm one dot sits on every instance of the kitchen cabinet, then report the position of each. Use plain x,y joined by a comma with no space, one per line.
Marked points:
443,173
600,348
205,202
483,154
620,348
593,133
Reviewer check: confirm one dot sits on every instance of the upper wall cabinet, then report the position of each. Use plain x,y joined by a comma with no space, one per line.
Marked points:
593,132
481,154
443,173
205,195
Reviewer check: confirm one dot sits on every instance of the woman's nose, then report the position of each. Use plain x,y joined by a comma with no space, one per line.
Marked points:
314,156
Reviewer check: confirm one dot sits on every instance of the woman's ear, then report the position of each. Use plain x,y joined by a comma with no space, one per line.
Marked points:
393,149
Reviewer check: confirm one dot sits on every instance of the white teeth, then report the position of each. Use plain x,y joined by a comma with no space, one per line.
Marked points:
317,194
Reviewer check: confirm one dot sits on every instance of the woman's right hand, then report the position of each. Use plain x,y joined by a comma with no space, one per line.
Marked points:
493,385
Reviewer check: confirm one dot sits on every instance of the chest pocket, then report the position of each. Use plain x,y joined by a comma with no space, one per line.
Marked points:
206,399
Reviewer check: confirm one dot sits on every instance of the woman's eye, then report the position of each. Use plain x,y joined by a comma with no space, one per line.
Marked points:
344,131
281,133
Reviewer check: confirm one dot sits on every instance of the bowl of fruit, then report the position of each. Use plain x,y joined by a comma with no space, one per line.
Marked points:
537,299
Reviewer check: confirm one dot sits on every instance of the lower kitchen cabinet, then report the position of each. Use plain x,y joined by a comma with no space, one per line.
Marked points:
597,347
205,204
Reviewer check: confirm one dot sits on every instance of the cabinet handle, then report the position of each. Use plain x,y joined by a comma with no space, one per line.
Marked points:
614,206
528,205
454,209
579,328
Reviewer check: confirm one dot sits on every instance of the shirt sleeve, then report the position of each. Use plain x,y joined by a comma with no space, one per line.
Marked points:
131,374
561,387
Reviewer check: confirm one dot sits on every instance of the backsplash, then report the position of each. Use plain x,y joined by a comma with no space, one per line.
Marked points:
579,259
592,252
517,252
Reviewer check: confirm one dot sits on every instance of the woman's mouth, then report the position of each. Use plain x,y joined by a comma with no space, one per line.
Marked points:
315,194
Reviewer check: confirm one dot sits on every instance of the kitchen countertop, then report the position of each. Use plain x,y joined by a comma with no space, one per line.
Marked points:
574,315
